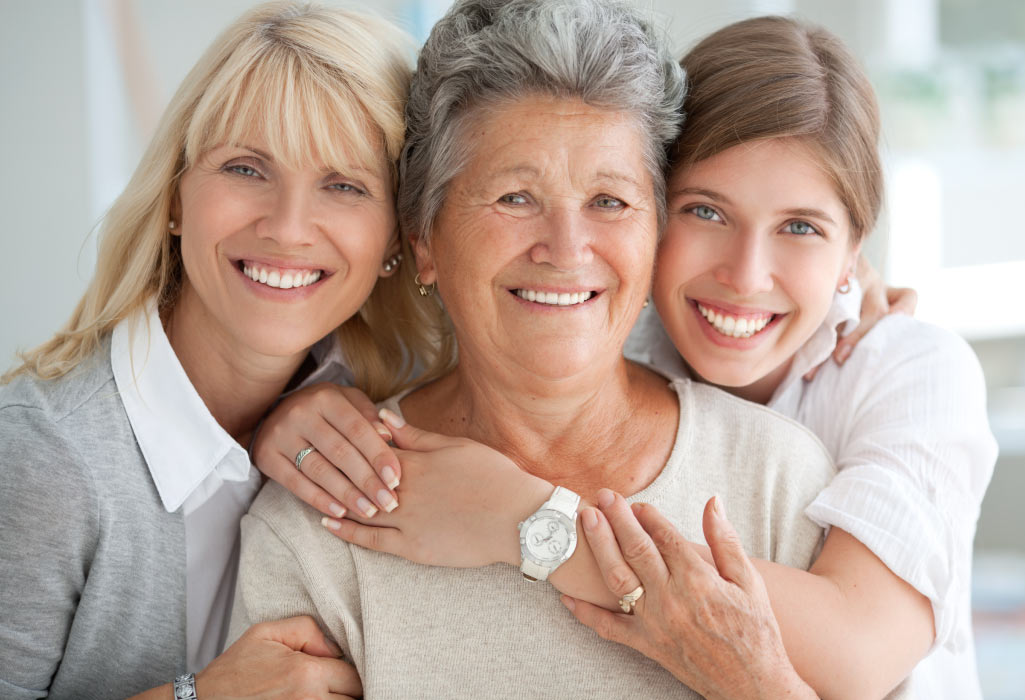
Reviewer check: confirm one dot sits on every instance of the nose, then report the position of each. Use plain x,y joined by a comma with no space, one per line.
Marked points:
746,265
289,220
564,239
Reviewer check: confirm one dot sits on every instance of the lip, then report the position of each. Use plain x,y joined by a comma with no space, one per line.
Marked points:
740,312
547,289
275,293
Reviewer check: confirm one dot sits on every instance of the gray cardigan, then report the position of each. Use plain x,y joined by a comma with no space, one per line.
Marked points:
92,567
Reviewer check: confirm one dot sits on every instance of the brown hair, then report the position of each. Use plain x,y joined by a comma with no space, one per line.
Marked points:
776,77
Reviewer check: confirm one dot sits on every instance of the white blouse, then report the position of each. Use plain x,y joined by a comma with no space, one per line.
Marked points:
196,466
905,420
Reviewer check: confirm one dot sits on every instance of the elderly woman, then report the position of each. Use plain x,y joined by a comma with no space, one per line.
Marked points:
532,192
258,222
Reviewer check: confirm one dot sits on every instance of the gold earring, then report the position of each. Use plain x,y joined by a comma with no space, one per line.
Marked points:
425,291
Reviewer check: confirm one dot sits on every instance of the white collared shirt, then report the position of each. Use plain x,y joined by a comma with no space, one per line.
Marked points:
196,465
905,420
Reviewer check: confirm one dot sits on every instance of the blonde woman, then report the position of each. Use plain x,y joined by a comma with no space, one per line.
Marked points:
257,223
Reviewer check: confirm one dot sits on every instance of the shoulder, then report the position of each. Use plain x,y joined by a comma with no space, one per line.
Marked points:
899,340
721,416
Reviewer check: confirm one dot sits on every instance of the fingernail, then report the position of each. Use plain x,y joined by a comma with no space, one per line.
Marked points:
391,419
589,518
843,353
366,507
606,498
330,523
718,508
387,501
636,507
389,478
383,431
568,602
336,510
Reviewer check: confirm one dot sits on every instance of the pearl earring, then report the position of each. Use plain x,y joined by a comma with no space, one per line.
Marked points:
393,262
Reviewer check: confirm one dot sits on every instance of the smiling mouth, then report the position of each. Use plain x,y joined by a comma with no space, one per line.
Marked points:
279,278
555,298
735,326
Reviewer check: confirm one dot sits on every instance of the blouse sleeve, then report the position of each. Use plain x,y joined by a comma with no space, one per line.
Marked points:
916,456
48,533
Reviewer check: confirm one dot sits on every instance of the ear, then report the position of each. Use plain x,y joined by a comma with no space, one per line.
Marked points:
174,222
424,259
849,270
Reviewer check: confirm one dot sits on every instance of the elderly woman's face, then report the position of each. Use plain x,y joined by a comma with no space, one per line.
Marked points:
543,249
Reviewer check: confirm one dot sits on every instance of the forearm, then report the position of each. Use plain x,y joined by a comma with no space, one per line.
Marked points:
163,692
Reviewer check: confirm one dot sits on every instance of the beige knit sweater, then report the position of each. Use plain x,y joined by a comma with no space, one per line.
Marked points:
417,631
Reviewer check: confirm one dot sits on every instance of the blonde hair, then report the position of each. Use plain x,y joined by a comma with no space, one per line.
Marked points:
317,83
775,77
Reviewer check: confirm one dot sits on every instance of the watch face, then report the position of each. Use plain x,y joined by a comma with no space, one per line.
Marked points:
547,538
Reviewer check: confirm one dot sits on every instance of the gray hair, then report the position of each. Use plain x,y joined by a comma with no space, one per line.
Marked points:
487,52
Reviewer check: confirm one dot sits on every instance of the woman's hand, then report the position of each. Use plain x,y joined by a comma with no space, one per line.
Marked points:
352,467
459,503
710,626
285,659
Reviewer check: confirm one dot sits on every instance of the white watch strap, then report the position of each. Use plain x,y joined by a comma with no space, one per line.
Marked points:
564,501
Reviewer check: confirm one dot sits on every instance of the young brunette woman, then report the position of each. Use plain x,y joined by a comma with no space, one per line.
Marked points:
776,181
257,223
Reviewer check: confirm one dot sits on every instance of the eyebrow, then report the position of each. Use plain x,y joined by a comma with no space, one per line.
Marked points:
613,175
703,192
329,171
810,213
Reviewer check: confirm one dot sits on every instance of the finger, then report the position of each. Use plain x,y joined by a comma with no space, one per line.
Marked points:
903,300
638,550
334,478
362,403
379,539
298,634
338,465
287,475
353,431
614,627
672,546
407,437
810,374
728,553
619,577
341,677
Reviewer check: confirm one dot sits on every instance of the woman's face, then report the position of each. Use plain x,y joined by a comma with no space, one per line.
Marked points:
756,245
276,258
543,249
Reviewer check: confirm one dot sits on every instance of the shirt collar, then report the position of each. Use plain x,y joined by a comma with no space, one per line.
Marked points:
180,440
330,363
842,318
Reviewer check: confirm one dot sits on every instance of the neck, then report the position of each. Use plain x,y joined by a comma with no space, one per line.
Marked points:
237,384
567,428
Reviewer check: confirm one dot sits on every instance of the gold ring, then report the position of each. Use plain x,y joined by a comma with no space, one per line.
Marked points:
628,601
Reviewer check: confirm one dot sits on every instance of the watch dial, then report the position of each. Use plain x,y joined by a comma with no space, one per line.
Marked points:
547,539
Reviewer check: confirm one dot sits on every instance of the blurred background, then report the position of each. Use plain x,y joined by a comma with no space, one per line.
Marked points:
83,83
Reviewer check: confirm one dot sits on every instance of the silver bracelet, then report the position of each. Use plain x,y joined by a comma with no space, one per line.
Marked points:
185,687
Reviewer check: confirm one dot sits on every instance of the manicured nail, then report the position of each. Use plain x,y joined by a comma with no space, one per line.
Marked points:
387,501
568,602
391,419
366,507
589,518
843,353
718,508
336,510
606,498
389,478
383,431
330,523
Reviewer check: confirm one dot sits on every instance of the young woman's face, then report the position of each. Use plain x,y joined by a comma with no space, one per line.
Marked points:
276,258
756,245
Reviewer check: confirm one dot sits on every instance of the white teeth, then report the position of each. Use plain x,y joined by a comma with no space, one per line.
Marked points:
732,326
281,280
554,298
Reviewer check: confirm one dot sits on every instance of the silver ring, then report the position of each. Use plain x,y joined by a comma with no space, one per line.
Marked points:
627,602
300,455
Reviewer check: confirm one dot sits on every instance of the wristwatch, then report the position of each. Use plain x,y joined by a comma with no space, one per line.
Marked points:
549,536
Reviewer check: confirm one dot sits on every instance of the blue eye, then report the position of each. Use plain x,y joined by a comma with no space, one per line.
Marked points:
606,202
704,212
513,198
244,170
346,187
800,228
